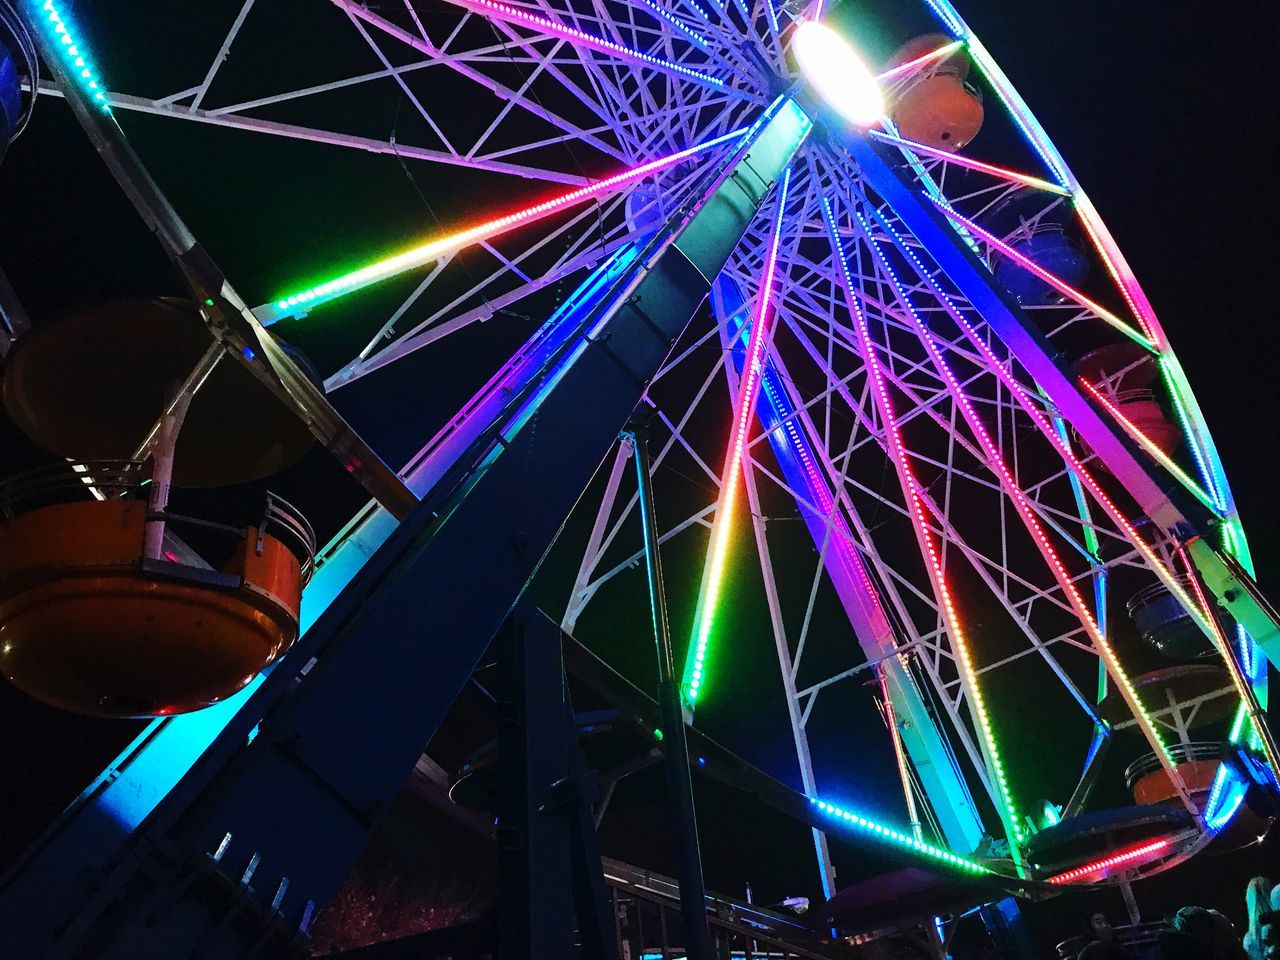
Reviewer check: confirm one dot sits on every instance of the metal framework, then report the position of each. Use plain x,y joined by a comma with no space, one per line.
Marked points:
968,506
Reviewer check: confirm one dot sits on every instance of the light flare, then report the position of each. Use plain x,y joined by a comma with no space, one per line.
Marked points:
834,69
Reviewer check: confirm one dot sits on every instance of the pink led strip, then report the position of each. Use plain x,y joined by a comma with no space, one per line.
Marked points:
516,15
1115,860
1057,283
969,163
904,68
920,522
1027,512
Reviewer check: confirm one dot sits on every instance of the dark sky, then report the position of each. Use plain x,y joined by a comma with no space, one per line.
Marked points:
1165,112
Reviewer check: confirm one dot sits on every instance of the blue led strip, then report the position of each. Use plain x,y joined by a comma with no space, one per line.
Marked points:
898,837
78,66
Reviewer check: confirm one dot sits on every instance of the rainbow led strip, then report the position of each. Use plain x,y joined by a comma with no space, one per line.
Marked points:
745,407
1115,860
510,14
77,65
900,838
431,250
916,509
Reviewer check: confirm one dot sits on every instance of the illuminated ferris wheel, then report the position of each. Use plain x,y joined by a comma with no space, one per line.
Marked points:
927,438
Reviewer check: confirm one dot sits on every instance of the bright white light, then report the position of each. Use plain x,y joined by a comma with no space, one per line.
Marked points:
834,69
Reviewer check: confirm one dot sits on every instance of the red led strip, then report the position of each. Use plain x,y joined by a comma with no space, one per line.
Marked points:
1114,860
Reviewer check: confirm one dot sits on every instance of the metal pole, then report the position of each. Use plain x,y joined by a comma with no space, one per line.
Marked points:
693,895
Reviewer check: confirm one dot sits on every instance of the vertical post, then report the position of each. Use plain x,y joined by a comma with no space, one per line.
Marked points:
675,752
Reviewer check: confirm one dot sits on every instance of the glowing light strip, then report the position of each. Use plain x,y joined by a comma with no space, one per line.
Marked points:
1219,820
675,22
902,839
515,15
968,162
1032,267
1149,445
948,17
1238,679
919,61
1126,280
771,15
748,394
1184,420
1115,860
77,65
911,489
1117,671
433,249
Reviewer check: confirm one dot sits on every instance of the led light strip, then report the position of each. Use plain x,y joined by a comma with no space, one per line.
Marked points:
1150,729
1115,860
676,23
920,61
515,15
1109,508
911,490
1135,297
1238,678
433,249
1032,267
1184,420
1029,518
748,394
902,839
969,163
1149,445
77,65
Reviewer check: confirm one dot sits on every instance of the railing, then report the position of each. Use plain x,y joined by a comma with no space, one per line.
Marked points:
131,480
1180,753
63,482
646,910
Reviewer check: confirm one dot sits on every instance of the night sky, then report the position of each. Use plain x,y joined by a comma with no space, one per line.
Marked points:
1165,112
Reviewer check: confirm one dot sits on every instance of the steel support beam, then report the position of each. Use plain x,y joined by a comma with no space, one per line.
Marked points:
675,749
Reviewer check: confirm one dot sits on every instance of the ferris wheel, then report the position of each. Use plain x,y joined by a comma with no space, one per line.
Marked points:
928,437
